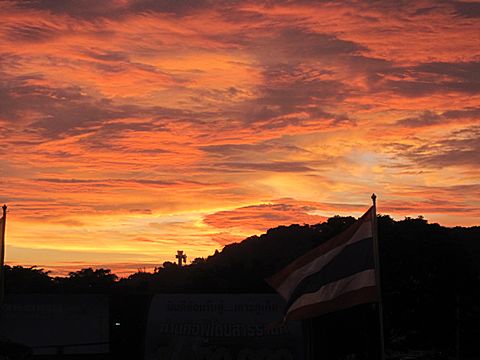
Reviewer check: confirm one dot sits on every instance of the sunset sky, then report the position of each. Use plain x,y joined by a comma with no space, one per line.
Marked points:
133,128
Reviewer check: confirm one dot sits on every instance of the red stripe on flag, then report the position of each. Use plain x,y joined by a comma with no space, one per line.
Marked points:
356,297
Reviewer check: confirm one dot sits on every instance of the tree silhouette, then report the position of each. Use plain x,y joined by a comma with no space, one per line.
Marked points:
427,269
88,280
19,279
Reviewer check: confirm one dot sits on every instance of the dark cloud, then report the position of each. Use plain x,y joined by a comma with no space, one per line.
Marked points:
11,91
178,7
105,182
117,61
63,111
275,166
77,118
31,33
464,113
425,88
428,118
367,66
241,158
300,71
106,55
75,8
470,9
293,45
459,149
425,119
462,71
429,78
239,150
67,181
296,90
89,9
426,10
121,182
300,43
292,96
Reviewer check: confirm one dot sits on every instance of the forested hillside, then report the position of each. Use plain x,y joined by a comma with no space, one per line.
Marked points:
430,275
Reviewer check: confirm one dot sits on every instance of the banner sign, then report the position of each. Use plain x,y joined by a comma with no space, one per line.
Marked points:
57,324
221,326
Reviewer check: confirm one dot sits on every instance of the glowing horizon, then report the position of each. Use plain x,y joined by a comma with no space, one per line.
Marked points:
134,128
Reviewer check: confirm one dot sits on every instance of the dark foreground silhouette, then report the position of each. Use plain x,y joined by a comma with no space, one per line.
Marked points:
430,284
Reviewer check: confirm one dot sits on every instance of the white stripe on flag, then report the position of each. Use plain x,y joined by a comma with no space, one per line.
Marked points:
288,286
335,289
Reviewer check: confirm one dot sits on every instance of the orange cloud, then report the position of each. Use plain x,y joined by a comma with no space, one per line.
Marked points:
130,129
259,218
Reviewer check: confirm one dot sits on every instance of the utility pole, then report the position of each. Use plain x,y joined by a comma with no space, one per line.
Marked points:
376,254
3,225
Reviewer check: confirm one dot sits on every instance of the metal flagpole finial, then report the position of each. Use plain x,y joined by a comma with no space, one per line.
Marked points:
4,207
374,199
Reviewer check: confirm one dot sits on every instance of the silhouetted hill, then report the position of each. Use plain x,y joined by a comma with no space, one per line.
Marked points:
430,276
412,251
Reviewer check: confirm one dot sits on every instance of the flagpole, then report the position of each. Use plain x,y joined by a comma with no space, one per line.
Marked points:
2,255
376,254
